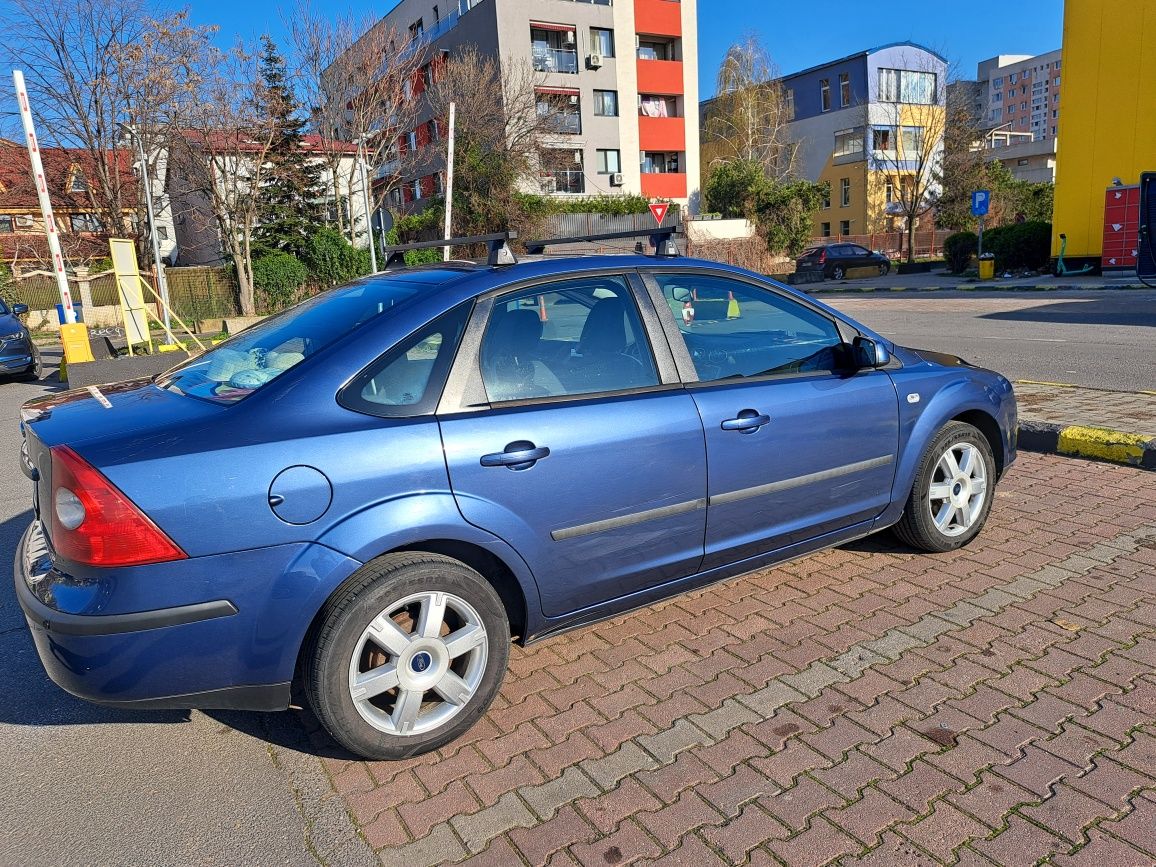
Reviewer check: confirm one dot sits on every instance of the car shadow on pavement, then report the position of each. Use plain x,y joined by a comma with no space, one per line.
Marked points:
295,729
30,698
1083,311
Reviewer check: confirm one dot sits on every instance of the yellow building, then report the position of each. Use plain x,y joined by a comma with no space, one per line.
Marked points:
1108,131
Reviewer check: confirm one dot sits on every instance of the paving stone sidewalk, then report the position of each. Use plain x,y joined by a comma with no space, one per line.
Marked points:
1131,412
868,704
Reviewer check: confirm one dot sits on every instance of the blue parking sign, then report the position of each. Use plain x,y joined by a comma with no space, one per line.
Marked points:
980,201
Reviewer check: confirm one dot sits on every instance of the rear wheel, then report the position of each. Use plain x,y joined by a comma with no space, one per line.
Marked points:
953,490
838,272
408,655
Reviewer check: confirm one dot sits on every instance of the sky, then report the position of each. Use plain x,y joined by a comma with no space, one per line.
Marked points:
796,34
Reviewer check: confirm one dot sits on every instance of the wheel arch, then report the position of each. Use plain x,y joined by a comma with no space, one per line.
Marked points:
986,424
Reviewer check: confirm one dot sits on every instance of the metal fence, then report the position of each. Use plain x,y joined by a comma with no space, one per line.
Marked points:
894,244
202,292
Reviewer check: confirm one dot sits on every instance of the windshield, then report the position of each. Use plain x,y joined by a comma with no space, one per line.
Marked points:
241,365
3,309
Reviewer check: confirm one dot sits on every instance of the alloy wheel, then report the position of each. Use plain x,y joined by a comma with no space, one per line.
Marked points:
418,663
958,489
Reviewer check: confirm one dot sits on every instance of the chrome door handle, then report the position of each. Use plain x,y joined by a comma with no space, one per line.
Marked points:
748,421
520,455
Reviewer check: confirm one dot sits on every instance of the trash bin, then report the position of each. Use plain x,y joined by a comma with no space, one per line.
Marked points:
77,308
987,266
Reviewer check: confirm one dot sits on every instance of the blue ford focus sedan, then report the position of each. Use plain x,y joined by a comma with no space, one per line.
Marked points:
369,495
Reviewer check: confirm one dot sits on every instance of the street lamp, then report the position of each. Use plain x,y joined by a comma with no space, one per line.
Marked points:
146,182
362,161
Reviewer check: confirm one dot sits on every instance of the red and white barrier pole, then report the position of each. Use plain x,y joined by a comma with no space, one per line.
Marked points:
45,203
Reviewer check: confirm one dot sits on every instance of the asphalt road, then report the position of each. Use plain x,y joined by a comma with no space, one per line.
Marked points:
1100,339
87,785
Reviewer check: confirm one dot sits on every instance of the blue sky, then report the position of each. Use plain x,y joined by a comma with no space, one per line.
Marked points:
797,34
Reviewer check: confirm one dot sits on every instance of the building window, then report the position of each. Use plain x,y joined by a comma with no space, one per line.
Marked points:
845,192
84,223
7,224
1011,78
606,103
552,49
1021,162
562,171
997,82
889,192
790,103
1056,81
657,106
883,138
912,141
1023,106
655,162
998,97
561,111
907,86
656,51
416,29
825,93
844,228
77,183
1055,113
848,142
825,230
609,162
602,41
844,89
827,197
1011,109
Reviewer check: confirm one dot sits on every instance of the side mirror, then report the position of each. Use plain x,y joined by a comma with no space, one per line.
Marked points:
19,309
869,353
681,294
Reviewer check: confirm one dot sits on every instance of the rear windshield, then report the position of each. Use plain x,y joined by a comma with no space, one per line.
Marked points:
811,251
235,369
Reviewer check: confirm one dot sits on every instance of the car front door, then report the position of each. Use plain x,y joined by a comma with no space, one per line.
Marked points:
799,445
567,436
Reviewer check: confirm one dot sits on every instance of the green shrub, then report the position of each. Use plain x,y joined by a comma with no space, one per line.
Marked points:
1020,245
331,259
958,250
606,205
278,278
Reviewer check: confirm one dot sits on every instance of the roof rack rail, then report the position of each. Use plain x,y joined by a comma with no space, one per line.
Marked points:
661,239
498,244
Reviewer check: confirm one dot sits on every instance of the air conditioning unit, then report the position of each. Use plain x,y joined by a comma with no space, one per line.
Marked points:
578,158
573,99
549,185
24,220
569,38
616,179
594,61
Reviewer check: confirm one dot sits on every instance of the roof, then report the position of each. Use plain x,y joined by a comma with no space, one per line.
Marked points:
865,53
18,192
223,141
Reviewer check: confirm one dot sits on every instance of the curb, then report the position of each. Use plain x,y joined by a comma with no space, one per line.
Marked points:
1093,443
818,288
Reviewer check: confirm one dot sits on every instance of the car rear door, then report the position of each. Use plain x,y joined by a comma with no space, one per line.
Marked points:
569,437
798,446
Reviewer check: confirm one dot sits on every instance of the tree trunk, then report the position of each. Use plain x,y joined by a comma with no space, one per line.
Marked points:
910,238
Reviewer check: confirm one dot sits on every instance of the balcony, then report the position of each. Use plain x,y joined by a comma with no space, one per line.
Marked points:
660,76
658,17
563,181
664,185
662,133
564,60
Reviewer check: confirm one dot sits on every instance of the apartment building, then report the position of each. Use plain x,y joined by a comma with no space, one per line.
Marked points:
1019,107
860,122
617,75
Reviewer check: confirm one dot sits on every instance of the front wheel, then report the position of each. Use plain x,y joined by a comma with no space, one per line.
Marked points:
407,655
953,490
36,369
884,269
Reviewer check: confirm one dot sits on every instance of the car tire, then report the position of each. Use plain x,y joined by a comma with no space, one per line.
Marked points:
948,507
33,373
884,269
838,273
415,691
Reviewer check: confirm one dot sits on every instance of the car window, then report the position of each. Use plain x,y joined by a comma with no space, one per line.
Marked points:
734,329
572,337
407,380
841,250
859,251
238,367
811,251
3,309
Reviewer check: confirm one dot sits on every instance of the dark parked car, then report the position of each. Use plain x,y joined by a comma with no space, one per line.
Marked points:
371,493
835,260
18,354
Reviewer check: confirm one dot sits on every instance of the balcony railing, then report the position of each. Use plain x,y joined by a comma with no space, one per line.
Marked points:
555,60
563,124
563,182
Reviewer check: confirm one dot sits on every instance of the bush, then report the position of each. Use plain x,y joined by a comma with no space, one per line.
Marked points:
331,259
278,278
606,205
1020,245
733,188
958,250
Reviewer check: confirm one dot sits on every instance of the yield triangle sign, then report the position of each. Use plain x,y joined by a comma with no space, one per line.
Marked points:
659,210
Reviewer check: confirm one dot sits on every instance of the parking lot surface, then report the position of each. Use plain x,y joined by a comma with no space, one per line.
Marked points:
995,705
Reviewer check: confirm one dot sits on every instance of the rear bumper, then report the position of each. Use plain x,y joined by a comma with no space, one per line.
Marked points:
236,654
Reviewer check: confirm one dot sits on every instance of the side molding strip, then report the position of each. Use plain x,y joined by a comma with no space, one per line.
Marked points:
627,520
799,481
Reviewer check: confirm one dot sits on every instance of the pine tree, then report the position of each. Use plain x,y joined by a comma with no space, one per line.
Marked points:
293,197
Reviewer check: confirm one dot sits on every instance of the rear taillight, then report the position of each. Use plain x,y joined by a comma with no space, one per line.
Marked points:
822,256
95,524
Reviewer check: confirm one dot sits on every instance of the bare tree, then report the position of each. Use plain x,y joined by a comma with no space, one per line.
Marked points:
904,133
749,118
92,65
221,157
358,77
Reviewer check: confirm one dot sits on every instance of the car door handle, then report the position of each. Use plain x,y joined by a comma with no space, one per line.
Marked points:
520,455
748,421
